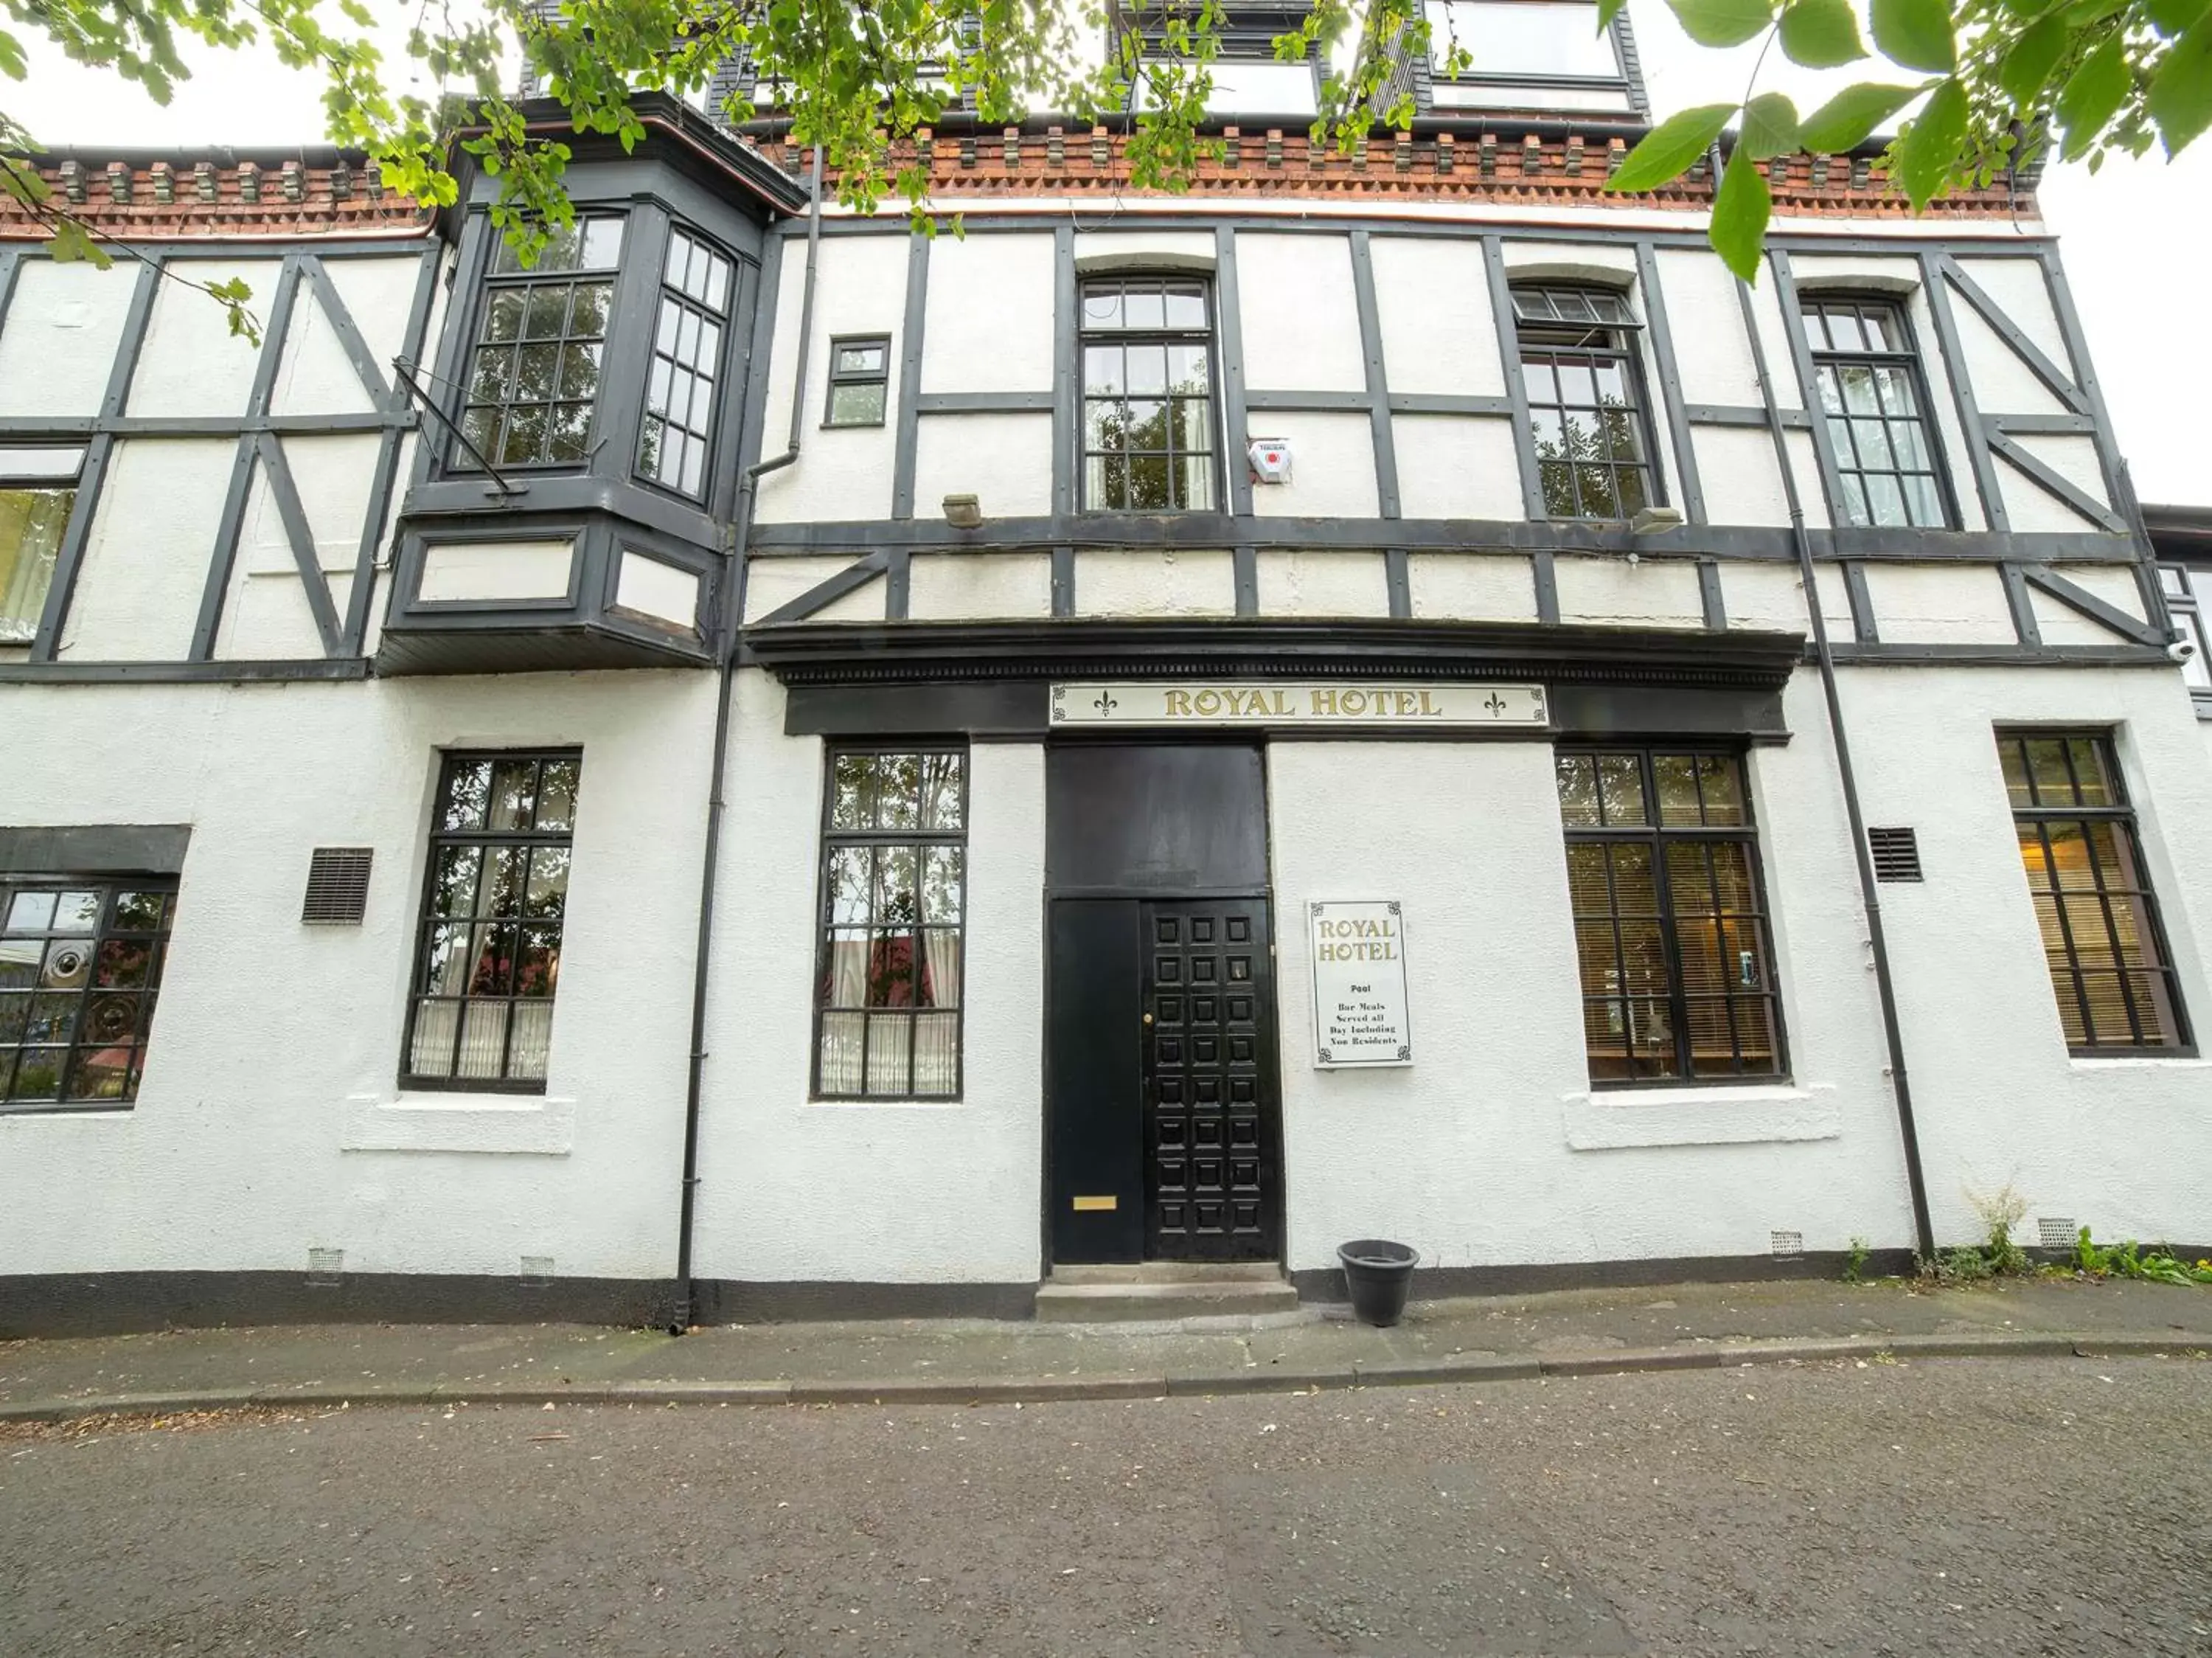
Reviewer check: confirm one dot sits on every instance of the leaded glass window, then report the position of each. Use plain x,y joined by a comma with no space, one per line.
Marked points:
1670,916
533,374
493,899
1869,376
687,357
1584,380
2101,937
81,966
1148,420
894,886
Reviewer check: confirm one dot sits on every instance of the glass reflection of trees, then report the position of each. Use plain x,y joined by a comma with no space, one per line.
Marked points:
1579,368
1148,422
534,374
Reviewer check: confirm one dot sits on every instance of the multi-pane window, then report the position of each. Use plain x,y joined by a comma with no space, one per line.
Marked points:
2101,938
859,380
1670,916
687,356
894,878
1868,377
489,957
1580,368
31,526
2188,589
1148,421
541,334
79,968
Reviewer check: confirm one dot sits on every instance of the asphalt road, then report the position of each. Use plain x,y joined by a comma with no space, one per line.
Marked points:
2009,1507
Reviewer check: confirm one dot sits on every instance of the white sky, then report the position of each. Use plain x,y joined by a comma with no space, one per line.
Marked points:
2135,242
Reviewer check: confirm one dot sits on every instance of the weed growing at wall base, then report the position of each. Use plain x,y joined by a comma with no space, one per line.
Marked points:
2154,1264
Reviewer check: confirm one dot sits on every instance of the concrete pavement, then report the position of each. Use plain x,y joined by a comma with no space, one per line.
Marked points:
1491,1339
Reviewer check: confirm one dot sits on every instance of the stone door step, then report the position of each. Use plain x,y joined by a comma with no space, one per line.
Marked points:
1059,1301
1169,1272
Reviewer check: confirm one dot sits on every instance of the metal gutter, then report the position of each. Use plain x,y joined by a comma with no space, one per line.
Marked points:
733,611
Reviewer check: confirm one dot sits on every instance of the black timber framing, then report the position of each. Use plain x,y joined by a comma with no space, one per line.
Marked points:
1516,394
1397,577
909,389
225,673
1936,273
2052,482
386,476
1229,330
69,558
1065,332
1670,384
11,261
293,513
2081,600
1709,598
1378,381
2020,605
1800,360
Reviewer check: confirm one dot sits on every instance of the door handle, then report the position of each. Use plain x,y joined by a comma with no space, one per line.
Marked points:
1148,1019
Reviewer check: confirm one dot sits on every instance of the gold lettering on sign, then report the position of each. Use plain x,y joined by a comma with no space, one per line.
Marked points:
1429,708
1324,702
1178,704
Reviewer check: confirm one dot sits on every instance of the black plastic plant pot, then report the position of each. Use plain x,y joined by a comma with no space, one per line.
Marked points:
1378,1273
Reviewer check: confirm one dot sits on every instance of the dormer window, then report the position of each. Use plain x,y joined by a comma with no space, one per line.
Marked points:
1248,79
1581,368
1527,54
534,372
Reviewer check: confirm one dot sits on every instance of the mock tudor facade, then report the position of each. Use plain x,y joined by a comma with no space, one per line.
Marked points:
767,761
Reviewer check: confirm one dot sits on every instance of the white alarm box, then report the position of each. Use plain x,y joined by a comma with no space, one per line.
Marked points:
1271,460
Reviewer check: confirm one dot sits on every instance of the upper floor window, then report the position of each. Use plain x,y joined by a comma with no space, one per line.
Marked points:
31,526
859,380
1870,392
1148,419
894,885
494,899
80,967
687,356
1580,366
534,371
1527,54
2188,591
1670,916
2101,937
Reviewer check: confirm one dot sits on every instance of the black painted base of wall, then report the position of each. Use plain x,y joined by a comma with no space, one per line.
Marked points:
1438,1283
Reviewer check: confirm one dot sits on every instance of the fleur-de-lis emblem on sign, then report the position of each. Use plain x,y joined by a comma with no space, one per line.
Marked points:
1105,703
1496,704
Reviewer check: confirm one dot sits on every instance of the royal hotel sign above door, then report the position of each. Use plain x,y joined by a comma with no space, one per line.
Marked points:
1325,703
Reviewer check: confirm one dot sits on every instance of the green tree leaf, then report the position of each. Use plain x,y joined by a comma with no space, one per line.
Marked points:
1670,149
2173,17
1769,127
1916,34
1724,23
70,243
2180,97
2032,57
1606,10
1928,150
1740,211
1821,33
1849,120
2090,96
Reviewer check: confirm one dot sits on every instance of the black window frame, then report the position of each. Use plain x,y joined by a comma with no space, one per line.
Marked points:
1206,337
856,377
2188,589
1556,350
678,297
1813,308
2118,811
428,916
1659,836
495,281
51,483
832,838
107,929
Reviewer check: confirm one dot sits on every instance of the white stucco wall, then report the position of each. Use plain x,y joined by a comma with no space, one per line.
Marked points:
1112,582
1301,322
1332,465
1003,461
146,560
1471,587
899,1191
842,471
275,1046
1311,584
58,346
1456,466
987,321
1432,302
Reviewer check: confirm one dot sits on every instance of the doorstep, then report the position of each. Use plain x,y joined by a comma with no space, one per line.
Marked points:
1163,1289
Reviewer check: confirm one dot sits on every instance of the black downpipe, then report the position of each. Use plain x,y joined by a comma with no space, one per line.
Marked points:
680,1316
1869,893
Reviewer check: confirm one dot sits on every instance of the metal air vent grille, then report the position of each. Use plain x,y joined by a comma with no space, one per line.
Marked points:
2056,1232
337,886
1896,854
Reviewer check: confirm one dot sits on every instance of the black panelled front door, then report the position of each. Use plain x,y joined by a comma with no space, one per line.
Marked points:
1209,1106
1161,1107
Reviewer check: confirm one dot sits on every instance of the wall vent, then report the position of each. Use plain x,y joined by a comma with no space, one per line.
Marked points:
325,1266
537,1271
1896,854
2056,1232
337,886
1788,1246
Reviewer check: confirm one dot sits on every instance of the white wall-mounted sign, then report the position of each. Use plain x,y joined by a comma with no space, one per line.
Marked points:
1360,983
1318,703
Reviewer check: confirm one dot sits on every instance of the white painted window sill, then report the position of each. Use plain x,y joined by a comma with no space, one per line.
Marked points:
888,1103
1613,1120
2145,1062
497,1124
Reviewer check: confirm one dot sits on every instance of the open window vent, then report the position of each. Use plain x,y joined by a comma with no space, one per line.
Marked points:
1896,854
337,886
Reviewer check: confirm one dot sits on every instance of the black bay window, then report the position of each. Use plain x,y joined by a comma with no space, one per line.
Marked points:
533,373
1670,916
1871,395
2101,937
1148,418
80,964
487,957
894,884
1585,380
673,441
